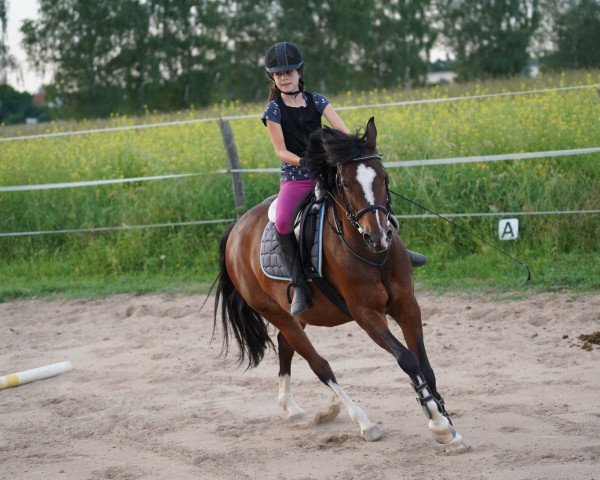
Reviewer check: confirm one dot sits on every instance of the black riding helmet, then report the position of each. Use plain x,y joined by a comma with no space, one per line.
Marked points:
283,56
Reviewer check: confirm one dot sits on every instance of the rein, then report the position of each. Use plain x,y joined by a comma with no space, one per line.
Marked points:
524,265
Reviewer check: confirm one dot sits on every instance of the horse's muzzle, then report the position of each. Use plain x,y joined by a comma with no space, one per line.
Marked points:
378,242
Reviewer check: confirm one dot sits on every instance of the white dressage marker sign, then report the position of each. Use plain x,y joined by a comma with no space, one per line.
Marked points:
508,229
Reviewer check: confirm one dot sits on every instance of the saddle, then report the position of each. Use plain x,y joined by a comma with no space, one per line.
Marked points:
308,228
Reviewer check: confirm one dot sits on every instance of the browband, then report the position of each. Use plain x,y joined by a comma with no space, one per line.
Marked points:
368,157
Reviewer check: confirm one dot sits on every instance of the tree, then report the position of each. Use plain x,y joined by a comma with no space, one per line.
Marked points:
75,38
236,35
400,42
7,61
125,55
172,51
360,44
3,21
575,34
15,107
491,37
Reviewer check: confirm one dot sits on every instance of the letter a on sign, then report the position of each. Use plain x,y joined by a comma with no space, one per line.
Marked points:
508,229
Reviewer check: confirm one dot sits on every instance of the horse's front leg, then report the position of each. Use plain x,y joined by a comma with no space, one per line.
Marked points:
442,430
286,398
409,319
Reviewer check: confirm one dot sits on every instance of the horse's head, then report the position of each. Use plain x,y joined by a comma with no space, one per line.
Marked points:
356,175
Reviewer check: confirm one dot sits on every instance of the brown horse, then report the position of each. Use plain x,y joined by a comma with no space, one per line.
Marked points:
364,259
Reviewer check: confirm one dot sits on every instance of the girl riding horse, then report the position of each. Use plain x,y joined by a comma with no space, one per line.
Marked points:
291,115
359,234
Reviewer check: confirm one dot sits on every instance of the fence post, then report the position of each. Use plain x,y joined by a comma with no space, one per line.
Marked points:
237,180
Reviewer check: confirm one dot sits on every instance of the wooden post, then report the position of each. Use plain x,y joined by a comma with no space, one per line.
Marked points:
237,180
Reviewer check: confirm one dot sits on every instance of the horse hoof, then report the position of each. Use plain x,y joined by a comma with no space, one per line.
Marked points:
373,433
457,445
296,417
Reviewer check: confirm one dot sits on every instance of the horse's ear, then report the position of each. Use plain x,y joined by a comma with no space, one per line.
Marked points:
371,132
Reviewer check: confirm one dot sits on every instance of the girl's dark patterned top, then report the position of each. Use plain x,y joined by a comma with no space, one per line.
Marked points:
296,123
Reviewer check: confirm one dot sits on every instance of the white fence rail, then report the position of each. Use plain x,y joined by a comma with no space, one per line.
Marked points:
91,183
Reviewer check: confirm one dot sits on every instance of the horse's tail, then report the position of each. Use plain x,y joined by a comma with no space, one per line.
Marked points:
237,317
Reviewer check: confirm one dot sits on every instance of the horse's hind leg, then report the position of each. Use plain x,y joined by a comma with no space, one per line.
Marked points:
286,398
296,337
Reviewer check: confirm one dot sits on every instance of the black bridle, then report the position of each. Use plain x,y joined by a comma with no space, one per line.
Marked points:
352,216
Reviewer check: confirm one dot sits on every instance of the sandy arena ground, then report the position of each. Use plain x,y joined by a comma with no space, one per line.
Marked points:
150,398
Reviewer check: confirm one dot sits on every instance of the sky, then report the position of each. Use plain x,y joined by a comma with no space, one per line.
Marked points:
19,10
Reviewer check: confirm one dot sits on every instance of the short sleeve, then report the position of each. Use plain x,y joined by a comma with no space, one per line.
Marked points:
321,101
272,113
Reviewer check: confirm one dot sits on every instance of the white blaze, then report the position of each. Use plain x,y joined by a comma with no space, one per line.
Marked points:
365,176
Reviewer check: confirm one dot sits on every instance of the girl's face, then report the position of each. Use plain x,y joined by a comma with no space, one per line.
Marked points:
287,81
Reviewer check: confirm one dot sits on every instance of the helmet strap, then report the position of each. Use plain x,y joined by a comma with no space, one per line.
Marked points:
300,88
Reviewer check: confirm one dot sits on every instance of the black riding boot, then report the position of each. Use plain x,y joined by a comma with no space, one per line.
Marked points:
291,256
416,258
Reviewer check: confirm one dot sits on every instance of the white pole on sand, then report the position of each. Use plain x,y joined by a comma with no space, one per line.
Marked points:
40,373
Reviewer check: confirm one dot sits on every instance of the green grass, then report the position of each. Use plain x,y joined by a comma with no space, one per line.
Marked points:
562,250
488,273
50,276
494,273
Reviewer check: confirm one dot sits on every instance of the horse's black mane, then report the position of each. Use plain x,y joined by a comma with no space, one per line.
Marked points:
328,147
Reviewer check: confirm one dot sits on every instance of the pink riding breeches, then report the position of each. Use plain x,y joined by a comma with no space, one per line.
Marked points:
291,193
